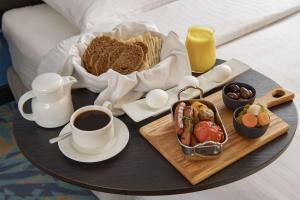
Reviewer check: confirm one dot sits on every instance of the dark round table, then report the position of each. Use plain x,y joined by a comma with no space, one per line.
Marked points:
139,169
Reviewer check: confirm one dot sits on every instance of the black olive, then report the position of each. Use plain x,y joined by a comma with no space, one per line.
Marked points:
245,93
250,94
233,95
234,88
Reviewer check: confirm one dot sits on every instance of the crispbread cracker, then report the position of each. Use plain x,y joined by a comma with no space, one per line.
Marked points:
154,46
138,38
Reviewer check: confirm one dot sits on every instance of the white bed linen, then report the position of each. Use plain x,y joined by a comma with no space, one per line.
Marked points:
31,32
229,21
86,14
229,18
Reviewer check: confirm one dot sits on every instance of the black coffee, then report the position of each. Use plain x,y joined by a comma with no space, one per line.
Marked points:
91,120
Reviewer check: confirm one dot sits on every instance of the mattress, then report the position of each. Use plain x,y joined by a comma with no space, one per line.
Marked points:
179,15
31,39
230,19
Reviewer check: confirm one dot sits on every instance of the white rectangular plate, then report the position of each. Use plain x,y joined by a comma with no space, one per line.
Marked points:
138,110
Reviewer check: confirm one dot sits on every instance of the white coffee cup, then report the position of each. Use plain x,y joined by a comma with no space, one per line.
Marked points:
91,142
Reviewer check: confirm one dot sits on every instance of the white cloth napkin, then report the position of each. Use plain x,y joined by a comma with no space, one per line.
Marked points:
118,88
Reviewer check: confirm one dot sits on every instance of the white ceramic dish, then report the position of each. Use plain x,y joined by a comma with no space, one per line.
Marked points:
115,146
138,110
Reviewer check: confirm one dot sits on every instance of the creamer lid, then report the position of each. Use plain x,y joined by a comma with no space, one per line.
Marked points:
47,83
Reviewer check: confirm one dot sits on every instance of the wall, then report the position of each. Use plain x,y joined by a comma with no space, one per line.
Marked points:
5,60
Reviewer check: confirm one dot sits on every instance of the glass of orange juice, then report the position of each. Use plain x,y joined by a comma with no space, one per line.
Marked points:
200,44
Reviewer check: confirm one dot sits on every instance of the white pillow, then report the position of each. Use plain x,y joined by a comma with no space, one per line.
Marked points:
86,14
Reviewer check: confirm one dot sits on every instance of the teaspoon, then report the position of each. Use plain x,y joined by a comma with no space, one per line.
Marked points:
59,138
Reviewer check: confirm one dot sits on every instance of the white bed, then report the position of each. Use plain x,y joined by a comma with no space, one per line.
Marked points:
270,48
30,40
230,19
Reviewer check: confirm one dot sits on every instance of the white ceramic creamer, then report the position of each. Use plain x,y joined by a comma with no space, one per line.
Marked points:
51,100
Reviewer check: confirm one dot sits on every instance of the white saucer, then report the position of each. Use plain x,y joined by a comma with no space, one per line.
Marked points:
116,145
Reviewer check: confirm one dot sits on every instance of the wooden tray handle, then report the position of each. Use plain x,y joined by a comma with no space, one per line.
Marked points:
276,97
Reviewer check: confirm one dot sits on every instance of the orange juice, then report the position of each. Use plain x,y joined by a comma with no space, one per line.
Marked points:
200,44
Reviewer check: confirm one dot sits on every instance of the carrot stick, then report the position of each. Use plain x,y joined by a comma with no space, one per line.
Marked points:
249,120
263,118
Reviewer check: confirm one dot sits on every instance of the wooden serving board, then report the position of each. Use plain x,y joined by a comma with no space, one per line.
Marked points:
161,135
